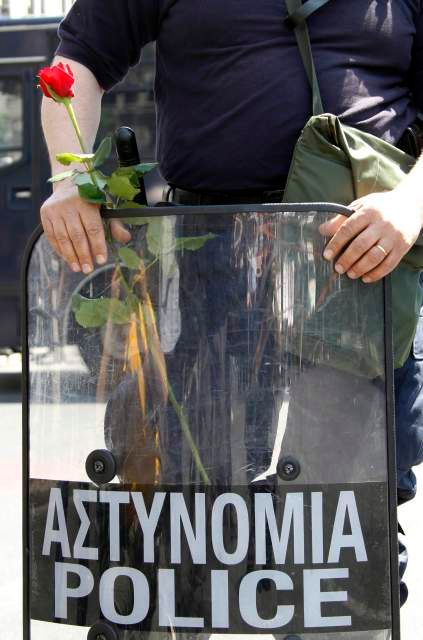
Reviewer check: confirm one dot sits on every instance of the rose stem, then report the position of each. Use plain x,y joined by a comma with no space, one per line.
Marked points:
72,116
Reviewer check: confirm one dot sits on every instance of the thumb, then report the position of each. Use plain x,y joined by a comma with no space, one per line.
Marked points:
119,232
330,227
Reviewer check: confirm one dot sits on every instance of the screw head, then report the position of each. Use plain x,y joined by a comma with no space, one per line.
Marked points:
98,468
102,631
288,468
101,469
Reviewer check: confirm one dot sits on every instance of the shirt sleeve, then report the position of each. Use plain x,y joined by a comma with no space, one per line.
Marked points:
107,36
416,78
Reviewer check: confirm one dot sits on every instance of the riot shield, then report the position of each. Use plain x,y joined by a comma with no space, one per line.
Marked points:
209,441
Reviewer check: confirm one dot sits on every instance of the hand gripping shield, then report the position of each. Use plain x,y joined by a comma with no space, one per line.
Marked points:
209,440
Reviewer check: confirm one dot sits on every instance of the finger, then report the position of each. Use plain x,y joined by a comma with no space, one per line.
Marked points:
330,227
356,204
347,232
356,250
91,221
119,232
65,245
383,268
49,232
372,258
80,243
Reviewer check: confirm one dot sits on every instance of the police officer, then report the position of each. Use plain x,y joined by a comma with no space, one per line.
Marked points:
232,97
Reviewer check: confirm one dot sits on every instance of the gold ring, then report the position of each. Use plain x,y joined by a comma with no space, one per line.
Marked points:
379,246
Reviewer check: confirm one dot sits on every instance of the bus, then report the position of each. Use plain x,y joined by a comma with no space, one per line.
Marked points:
26,45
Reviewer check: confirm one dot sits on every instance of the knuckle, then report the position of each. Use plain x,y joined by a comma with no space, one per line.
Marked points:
45,213
371,259
50,236
365,264
69,256
343,231
344,234
351,226
367,210
376,255
359,246
353,253
83,254
77,235
93,229
62,237
388,229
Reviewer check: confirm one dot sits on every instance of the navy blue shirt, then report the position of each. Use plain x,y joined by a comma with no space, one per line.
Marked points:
231,91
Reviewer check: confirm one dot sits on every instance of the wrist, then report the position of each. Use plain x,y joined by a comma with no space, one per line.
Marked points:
64,185
67,182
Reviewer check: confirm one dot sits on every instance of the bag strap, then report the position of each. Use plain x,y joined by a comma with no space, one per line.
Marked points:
297,15
300,15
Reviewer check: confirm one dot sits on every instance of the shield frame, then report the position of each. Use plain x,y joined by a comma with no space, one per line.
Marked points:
163,209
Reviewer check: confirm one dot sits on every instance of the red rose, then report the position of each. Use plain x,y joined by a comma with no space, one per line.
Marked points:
59,78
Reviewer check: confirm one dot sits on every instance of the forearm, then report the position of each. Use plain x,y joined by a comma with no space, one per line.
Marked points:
57,127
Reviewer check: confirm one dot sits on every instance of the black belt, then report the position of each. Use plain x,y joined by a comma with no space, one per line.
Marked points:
182,196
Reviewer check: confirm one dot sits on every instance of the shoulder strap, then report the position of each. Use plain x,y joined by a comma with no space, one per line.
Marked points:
297,15
300,15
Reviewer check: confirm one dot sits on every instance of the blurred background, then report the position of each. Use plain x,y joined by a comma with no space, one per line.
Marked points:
22,8
28,39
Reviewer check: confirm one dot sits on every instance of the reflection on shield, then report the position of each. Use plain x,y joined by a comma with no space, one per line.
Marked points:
209,440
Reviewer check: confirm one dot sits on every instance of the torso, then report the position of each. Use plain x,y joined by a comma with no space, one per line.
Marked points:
232,94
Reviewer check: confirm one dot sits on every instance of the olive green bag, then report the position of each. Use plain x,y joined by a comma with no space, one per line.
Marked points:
333,162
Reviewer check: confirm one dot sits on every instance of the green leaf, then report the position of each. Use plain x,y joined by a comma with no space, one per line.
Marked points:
123,171
103,152
139,169
95,313
193,243
61,176
129,258
154,236
134,180
84,177
76,302
101,179
91,193
120,312
144,167
130,174
81,178
90,313
68,158
120,186
129,204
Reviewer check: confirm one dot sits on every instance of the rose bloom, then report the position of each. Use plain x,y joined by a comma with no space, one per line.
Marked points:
59,78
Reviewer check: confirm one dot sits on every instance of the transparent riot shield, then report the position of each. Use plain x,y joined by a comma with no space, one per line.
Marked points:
209,442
